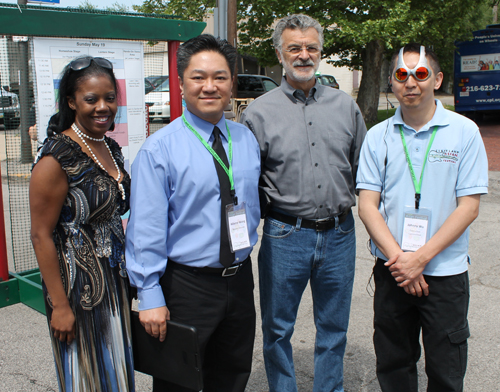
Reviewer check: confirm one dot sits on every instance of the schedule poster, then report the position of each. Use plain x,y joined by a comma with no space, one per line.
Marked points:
51,55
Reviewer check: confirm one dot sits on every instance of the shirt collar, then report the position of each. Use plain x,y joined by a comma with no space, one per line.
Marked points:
205,128
439,119
298,95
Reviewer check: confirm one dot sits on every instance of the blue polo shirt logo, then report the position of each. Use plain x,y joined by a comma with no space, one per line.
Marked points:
443,156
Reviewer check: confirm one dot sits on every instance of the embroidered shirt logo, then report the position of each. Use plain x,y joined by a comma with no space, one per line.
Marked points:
444,156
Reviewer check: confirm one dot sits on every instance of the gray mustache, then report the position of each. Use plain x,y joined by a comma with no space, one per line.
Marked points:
298,63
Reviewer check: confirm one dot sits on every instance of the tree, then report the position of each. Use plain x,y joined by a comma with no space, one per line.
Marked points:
187,9
115,7
361,32
87,5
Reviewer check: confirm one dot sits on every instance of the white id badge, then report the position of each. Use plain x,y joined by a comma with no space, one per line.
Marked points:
415,228
237,226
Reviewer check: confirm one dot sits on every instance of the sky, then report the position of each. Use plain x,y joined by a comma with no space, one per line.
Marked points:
75,3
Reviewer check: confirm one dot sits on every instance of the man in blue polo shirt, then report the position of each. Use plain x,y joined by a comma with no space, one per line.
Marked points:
420,177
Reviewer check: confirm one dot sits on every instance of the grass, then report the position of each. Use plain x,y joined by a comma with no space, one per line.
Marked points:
385,114
381,116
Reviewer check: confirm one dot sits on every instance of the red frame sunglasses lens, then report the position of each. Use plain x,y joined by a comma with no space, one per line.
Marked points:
401,74
422,73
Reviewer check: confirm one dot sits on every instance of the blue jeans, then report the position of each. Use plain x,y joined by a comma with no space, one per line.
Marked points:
289,257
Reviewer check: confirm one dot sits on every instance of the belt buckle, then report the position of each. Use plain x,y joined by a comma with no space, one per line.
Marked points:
322,225
230,271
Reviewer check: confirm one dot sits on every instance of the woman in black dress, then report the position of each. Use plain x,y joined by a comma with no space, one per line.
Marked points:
78,191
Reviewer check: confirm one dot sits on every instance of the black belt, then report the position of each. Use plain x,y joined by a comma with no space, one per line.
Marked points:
318,225
224,272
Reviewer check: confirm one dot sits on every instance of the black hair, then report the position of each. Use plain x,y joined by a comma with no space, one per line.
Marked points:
414,47
201,43
69,83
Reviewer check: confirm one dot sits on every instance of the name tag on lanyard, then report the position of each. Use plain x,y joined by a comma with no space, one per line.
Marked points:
237,225
415,228
416,220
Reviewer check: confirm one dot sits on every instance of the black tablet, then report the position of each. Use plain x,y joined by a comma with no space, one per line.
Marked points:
176,359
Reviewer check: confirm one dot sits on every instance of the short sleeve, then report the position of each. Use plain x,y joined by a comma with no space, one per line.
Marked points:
67,152
473,171
369,176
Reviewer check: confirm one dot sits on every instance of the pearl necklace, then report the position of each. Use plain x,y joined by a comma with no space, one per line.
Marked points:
81,135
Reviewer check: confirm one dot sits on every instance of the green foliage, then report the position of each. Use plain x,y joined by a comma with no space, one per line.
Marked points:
359,32
485,16
115,7
87,5
186,9
351,26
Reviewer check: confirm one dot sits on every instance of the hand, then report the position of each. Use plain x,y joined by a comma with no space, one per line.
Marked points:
154,321
405,267
417,287
62,323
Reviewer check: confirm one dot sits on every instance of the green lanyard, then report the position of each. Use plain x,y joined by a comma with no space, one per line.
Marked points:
418,185
229,171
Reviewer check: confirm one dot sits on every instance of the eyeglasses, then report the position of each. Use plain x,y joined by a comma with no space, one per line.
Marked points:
84,62
298,49
421,72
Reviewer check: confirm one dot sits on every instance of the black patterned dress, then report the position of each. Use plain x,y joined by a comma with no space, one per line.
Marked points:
90,244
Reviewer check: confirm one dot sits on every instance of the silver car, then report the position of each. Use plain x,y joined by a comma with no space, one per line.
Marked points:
158,102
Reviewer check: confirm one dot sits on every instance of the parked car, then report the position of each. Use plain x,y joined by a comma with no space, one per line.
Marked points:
148,86
327,80
158,102
153,81
156,80
253,86
10,110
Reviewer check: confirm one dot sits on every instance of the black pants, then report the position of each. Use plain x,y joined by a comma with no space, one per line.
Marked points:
223,312
442,317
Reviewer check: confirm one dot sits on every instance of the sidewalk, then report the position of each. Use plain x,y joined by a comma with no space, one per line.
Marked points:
26,362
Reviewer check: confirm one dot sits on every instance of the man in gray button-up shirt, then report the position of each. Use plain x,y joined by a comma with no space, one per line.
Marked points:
310,137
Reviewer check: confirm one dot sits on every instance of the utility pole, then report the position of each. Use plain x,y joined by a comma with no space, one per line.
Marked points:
220,19
232,37
225,14
232,34
26,156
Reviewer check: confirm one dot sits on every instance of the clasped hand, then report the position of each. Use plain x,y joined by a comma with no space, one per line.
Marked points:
407,270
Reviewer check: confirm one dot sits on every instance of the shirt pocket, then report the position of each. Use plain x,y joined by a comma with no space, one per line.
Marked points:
247,187
339,150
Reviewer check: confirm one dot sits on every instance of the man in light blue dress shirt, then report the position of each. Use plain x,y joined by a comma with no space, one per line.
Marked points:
173,248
